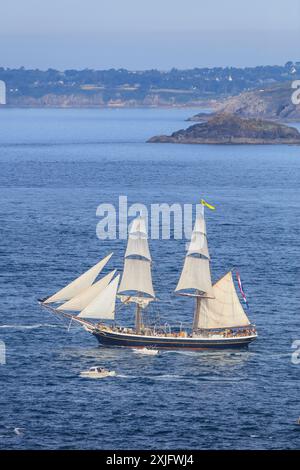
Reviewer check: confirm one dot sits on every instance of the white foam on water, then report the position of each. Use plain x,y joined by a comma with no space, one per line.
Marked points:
18,431
30,327
167,377
184,353
212,353
123,376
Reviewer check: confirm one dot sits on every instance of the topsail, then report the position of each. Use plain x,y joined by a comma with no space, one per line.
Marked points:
79,284
137,276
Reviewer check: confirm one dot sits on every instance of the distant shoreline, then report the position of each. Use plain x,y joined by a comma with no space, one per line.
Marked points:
187,106
121,88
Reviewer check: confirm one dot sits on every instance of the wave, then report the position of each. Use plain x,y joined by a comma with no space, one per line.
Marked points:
30,327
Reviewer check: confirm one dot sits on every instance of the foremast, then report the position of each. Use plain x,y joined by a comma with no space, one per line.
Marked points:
136,283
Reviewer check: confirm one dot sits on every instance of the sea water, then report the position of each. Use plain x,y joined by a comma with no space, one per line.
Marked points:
56,167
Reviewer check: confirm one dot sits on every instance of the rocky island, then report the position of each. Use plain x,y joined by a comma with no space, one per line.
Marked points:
231,129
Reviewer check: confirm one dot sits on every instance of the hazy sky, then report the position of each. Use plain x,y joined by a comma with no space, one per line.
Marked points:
141,34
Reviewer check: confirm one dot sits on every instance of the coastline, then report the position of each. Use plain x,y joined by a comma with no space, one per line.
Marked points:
205,105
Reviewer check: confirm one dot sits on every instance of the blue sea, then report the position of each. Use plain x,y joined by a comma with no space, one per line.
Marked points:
56,167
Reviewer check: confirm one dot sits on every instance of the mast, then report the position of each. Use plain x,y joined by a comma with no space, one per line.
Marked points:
136,280
138,319
195,275
196,312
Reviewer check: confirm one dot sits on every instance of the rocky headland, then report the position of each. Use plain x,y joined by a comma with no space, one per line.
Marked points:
273,103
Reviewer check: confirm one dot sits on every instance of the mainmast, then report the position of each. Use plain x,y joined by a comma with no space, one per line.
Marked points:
195,279
137,279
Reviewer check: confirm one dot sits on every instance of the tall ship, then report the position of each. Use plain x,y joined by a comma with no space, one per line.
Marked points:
217,318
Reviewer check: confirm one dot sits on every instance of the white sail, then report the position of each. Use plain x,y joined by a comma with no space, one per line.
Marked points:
103,306
80,283
196,271
137,240
225,309
80,301
137,277
198,244
200,225
195,275
138,246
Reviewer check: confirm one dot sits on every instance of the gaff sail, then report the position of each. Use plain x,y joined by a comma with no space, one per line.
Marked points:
225,309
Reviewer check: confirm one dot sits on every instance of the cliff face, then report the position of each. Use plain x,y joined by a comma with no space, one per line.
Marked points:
52,100
270,103
231,129
87,100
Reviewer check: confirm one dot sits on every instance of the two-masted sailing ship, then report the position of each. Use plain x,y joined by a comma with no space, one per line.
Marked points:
219,320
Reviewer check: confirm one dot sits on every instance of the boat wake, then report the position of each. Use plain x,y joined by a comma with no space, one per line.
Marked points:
167,376
124,376
151,377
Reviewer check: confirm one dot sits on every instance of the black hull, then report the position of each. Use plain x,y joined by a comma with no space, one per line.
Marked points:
106,338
